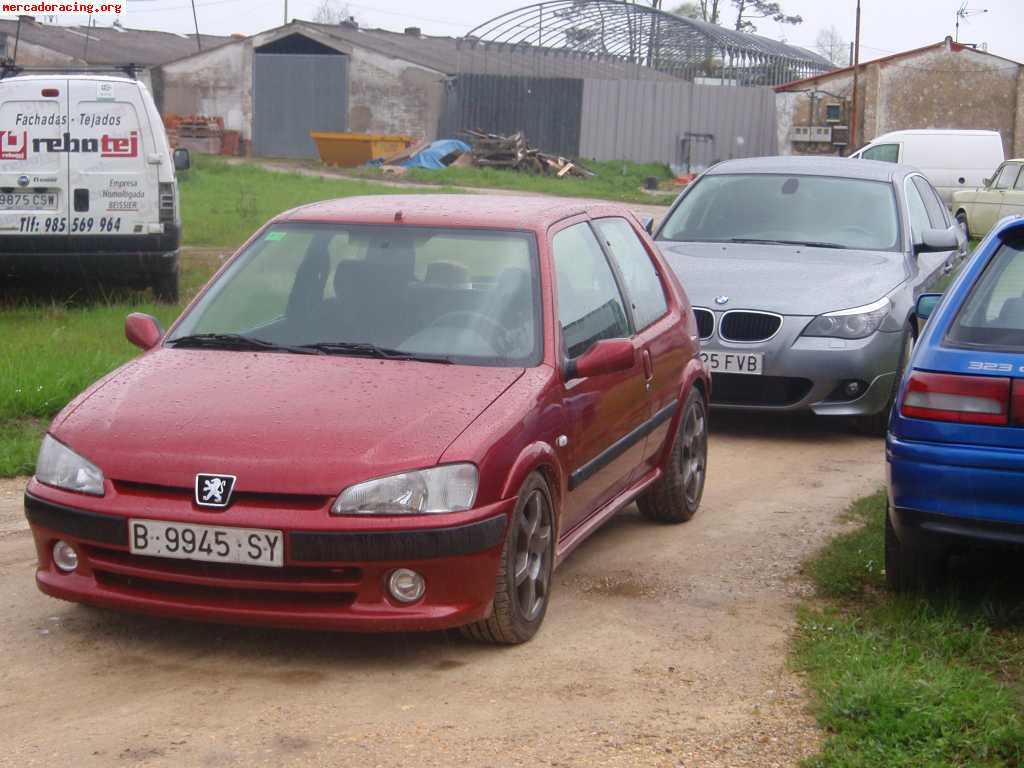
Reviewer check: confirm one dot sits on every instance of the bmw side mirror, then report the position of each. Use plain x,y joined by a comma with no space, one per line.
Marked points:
926,304
604,357
182,159
143,330
937,241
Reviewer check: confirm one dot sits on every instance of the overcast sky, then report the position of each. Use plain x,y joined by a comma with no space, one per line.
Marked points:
887,26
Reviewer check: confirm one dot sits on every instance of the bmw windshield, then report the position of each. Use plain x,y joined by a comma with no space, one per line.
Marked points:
439,295
815,211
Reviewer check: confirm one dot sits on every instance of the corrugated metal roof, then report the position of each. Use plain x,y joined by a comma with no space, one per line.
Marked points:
108,45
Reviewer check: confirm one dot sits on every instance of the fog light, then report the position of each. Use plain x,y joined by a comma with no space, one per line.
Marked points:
64,556
853,388
406,586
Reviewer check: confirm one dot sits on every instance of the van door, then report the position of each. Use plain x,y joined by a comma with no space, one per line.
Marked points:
113,169
33,170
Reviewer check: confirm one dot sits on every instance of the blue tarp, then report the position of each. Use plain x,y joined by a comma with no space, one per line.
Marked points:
432,156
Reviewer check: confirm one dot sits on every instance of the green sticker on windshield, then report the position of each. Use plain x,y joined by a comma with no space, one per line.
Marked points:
273,237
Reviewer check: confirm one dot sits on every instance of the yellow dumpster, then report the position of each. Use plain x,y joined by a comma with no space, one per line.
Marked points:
351,149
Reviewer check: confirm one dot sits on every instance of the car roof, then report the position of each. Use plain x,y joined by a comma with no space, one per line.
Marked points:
29,78
427,210
842,167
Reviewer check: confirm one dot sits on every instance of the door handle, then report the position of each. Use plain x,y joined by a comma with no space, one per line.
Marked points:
947,268
648,368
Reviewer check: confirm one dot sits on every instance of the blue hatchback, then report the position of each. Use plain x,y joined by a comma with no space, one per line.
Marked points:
955,447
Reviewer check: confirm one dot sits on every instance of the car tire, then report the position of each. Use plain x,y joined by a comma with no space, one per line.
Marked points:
523,584
961,220
165,287
676,496
910,566
877,424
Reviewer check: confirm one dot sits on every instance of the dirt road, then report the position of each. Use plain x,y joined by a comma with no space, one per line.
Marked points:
663,646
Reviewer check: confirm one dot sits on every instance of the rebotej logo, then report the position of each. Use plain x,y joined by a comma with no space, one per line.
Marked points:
107,146
13,146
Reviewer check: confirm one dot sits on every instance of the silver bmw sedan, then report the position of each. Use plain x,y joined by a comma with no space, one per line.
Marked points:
804,273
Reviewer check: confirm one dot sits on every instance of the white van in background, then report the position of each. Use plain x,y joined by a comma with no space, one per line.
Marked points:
87,182
950,159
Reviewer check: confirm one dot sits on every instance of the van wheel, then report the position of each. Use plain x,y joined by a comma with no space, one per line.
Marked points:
165,287
676,496
961,220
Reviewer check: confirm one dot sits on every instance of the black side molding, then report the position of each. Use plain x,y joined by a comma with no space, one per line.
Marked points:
91,526
427,544
620,446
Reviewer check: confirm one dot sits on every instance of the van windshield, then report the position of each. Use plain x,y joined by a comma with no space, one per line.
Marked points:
823,211
444,295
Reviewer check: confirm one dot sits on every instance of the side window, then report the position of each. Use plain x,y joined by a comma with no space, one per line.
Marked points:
919,220
589,303
1019,186
1007,176
638,273
887,153
932,203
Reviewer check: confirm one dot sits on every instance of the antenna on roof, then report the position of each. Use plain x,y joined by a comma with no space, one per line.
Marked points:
963,12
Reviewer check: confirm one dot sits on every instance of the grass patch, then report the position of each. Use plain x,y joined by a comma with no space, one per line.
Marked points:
615,180
908,682
19,444
223,203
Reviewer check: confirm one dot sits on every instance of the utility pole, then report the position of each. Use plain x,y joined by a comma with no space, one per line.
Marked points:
856,68
286,11
199,42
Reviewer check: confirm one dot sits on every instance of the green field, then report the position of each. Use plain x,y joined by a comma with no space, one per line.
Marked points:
615,180
906,682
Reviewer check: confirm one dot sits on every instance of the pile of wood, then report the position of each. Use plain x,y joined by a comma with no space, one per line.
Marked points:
492,150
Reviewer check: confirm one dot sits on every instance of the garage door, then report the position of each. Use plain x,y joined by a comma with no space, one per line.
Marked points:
294,94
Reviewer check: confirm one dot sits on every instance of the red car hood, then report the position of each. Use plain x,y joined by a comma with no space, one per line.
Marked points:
281,423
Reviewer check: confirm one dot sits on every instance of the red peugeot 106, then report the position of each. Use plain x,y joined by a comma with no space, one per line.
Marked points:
394,413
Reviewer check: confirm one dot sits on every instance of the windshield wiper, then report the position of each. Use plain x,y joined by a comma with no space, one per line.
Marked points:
807,243
235,341
362,349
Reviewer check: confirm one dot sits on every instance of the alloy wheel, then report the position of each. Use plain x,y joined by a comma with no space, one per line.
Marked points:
694,454
532,560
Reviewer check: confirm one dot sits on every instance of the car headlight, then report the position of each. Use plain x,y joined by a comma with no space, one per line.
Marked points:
856,323
448,488
61,467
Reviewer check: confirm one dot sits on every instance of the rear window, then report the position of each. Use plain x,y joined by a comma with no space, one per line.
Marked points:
993,315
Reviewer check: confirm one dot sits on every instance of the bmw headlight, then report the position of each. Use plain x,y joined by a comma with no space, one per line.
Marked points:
61,467
448,488
856,323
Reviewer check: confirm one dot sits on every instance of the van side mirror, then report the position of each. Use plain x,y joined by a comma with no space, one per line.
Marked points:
605,356
937,241
926,304
182,159
143,330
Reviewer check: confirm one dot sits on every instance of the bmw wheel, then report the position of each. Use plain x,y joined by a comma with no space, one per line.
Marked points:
524,574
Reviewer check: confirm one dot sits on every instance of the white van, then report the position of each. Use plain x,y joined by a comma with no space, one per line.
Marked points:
949,159
87,182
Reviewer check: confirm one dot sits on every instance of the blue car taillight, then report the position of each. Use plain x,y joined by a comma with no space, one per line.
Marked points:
958,398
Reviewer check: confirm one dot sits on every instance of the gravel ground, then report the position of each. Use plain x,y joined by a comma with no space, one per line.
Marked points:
663,646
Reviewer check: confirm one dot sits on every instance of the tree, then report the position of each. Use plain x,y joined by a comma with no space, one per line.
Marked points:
747,11
705,10
329,12
832,46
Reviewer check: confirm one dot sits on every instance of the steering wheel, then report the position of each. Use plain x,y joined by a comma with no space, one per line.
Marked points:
498,335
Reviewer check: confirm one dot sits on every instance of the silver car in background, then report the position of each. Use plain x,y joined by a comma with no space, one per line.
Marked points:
804,274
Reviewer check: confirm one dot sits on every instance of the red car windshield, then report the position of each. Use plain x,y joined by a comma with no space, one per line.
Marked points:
458,295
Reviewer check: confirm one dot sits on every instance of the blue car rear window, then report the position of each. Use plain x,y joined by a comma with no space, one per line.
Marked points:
992,317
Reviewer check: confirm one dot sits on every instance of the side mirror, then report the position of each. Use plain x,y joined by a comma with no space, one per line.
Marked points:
182,159
142,330
648,223
606,356
926,304
986,182
938,240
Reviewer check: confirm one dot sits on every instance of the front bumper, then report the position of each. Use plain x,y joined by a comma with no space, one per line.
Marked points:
806,371
955,492
334,576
